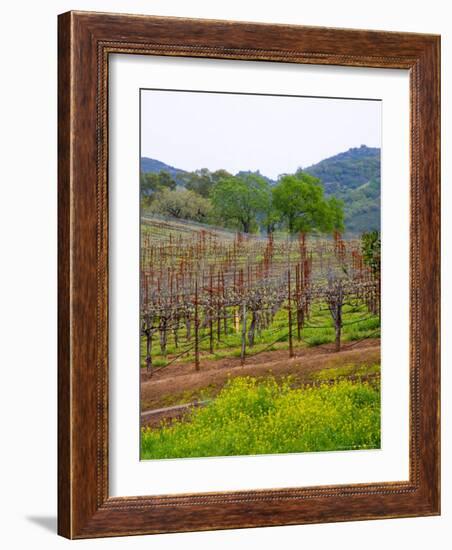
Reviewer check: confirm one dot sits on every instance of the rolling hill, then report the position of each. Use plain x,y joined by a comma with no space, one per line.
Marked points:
148,165
354,177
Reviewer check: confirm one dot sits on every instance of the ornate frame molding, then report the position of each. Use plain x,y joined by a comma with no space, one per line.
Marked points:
85,42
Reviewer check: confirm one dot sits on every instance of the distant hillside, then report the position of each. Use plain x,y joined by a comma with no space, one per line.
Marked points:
155,166
256,173
348,170
354,176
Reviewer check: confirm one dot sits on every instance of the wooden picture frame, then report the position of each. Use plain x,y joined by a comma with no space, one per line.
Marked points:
86,40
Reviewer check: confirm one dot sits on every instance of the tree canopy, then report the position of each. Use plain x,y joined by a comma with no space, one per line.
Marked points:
247,201
202,181
182,204
300,202
152,182
238,200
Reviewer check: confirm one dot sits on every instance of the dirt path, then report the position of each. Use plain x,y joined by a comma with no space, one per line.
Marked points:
170,386
154,417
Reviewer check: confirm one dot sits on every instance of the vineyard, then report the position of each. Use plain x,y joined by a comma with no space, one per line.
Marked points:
207,292
236,330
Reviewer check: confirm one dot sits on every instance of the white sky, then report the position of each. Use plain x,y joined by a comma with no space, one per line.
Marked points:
272,134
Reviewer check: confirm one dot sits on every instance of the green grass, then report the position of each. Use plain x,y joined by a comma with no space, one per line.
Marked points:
265,417
346,370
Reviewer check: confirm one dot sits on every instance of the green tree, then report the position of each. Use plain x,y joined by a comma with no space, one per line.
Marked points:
202,181
182,204
152,182
334,215
300,201
270,216
239,200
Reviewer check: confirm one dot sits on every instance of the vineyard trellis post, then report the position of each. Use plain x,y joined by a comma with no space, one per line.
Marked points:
196,328
243,349
289,308
219,307
211,310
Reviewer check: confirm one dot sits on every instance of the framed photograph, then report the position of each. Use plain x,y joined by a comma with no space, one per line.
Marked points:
248,275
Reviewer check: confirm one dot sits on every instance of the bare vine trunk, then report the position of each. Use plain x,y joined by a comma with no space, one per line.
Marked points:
338,326
149,351
252,329
163,336
243,350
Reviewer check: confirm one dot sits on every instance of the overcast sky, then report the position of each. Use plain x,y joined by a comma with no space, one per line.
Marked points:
272,134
